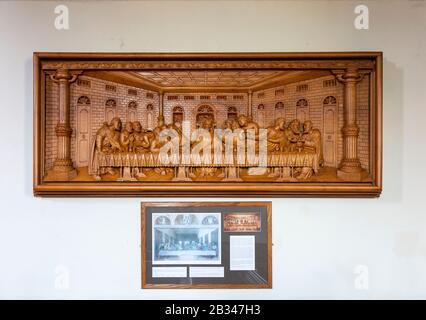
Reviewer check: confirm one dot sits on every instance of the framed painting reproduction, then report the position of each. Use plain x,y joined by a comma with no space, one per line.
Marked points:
208,124
206,245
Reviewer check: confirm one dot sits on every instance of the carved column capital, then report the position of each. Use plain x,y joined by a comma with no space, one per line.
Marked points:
349,75
63,130
65,75
350,130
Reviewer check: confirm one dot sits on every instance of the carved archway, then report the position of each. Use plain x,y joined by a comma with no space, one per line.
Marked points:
232,112
302,103
110,109
279,110
330,131
132,109
83,100
83,127
261,115
204,112
302,110
177,114
149,116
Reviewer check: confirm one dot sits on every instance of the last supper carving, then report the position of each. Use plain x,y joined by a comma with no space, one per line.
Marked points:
208,124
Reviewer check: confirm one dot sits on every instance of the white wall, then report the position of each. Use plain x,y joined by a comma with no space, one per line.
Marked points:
318,243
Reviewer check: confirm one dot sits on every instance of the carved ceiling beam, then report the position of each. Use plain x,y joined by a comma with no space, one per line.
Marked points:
207,65
122,78
289,78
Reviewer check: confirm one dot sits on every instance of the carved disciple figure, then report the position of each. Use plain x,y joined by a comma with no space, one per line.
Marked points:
246,123
229,126
249,126
141,139
108,141
160,127
126,138
294,136
277,138
158,142
312,140
108,137
202,143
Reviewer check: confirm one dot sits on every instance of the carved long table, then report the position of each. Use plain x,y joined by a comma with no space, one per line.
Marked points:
131,165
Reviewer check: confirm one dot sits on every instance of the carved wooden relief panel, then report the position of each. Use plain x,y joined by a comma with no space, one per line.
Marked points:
266,124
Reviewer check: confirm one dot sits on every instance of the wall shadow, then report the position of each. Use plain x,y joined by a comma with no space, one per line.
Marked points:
28,128
393,131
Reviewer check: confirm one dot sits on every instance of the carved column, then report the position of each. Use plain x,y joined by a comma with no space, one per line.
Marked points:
249,104
350,166
63,168
160,104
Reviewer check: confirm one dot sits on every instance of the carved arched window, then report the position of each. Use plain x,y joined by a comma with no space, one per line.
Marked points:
204,112
279,105
177,114
149,116
205,109
132,104
83,100
110,109
111,103
261,115
330,131
302,110
232,113
279,110
330,100
302,103
132,111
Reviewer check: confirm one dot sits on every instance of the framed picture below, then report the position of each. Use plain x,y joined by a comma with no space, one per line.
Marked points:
206,245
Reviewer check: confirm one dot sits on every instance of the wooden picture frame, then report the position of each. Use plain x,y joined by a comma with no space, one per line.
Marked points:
321,114
232,279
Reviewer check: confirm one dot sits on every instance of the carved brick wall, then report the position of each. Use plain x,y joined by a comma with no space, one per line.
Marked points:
315,94
98,96
363,116
288,95
52,117
216,100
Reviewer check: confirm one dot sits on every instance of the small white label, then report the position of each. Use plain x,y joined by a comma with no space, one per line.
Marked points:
206,272
242,253
169,272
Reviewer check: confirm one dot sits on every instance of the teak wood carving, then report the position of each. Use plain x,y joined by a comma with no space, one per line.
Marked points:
208,124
